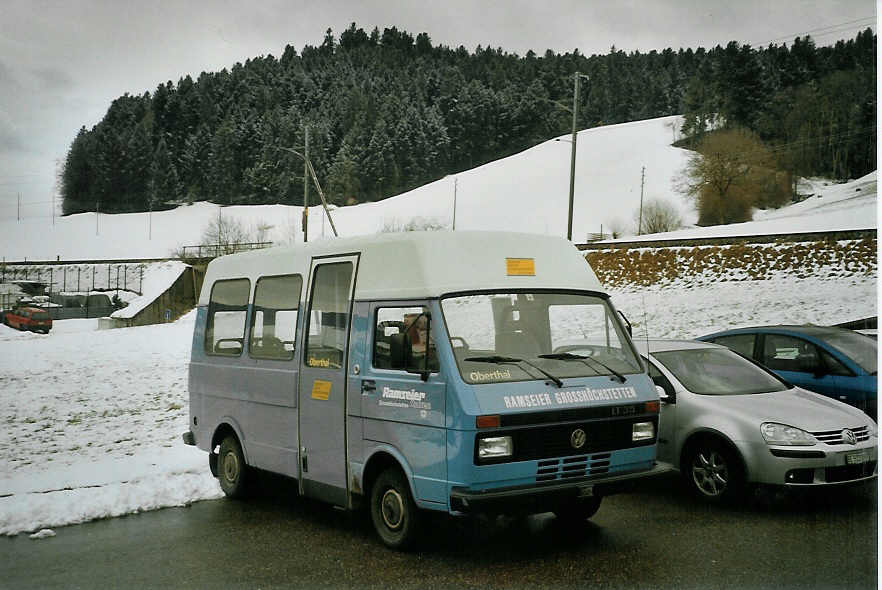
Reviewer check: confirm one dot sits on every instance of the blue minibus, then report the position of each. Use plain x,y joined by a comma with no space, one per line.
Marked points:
459,372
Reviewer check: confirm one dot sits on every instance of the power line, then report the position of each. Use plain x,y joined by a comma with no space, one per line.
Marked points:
861,23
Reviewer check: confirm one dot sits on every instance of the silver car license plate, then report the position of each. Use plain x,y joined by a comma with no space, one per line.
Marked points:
855,458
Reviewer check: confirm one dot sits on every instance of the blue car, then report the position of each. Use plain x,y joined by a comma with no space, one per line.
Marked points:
835,362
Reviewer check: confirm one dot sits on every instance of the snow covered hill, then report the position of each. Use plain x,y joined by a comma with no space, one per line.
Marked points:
524,192
829,207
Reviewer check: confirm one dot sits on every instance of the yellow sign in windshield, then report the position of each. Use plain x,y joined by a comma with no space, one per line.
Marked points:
520,267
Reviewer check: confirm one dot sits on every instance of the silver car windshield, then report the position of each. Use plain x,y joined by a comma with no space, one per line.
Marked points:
717,371
500,337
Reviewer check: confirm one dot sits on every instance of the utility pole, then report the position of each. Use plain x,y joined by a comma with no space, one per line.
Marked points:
455,182
640,215
97,214
576,77
18,215
305,219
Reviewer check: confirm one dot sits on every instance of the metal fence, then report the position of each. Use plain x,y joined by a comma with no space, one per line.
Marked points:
73,313
215,250
77,278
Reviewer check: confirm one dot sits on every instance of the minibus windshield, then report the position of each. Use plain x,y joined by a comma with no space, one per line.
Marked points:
499,337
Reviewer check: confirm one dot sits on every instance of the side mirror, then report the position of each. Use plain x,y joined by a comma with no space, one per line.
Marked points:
663,395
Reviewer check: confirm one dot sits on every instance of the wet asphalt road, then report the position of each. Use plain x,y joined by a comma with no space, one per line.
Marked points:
660,538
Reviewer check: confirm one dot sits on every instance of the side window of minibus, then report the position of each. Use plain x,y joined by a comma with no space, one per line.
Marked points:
274,317
328,319
227,308
401,341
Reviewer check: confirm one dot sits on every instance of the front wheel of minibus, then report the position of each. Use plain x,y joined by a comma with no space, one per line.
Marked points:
232,472
395,515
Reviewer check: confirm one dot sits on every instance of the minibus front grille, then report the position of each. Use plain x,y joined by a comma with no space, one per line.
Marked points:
572,467
547,442
572,415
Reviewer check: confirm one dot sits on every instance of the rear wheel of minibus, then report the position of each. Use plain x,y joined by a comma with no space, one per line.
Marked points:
232,472
395,515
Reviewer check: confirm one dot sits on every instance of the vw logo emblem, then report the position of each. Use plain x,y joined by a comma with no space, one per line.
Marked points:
577,438
848,437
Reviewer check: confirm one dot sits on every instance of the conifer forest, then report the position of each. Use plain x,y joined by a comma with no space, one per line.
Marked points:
386,112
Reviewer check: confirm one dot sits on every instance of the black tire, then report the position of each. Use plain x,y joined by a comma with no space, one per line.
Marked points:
395,515
713,471
232,471
578,510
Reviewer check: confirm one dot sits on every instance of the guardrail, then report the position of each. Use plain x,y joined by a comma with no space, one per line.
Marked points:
215,250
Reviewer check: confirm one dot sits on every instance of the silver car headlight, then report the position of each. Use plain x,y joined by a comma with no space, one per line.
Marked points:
782,434
495,447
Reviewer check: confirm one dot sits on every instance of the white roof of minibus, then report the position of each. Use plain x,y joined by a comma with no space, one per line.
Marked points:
415,265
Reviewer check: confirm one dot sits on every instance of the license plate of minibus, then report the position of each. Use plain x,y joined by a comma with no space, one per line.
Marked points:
586,491
855,458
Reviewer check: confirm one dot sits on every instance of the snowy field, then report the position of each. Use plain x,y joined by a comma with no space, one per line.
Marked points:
92,424
490,197
92,420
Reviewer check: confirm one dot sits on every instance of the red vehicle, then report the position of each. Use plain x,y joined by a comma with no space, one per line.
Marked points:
28,318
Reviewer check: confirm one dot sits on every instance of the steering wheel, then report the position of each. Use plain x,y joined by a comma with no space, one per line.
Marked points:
583,349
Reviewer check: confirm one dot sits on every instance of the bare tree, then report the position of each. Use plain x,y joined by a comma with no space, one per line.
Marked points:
617,228
261,231
225,232
415,224
658,216
730,174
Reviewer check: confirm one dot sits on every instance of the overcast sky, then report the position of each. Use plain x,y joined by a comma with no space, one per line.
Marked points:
62,63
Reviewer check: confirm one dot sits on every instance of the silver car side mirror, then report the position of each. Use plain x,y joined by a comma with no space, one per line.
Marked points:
662,394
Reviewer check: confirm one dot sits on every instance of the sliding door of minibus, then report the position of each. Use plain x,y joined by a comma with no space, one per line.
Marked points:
322,395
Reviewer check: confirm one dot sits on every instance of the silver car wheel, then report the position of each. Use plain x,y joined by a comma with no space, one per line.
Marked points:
710,472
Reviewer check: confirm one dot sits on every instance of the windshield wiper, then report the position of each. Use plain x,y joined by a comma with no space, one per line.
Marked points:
568,356
508,360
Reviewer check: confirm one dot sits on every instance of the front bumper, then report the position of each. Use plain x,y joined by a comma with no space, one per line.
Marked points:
819,465
536,498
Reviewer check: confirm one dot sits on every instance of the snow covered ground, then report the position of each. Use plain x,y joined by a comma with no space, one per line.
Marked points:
92,424
92,419
158,277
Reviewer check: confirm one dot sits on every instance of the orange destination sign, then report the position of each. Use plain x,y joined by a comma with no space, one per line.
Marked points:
520,267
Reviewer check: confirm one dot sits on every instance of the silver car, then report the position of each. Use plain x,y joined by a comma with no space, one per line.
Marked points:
726,422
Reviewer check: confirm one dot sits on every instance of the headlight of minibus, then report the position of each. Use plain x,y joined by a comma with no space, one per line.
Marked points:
781,434
642,431
495,447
